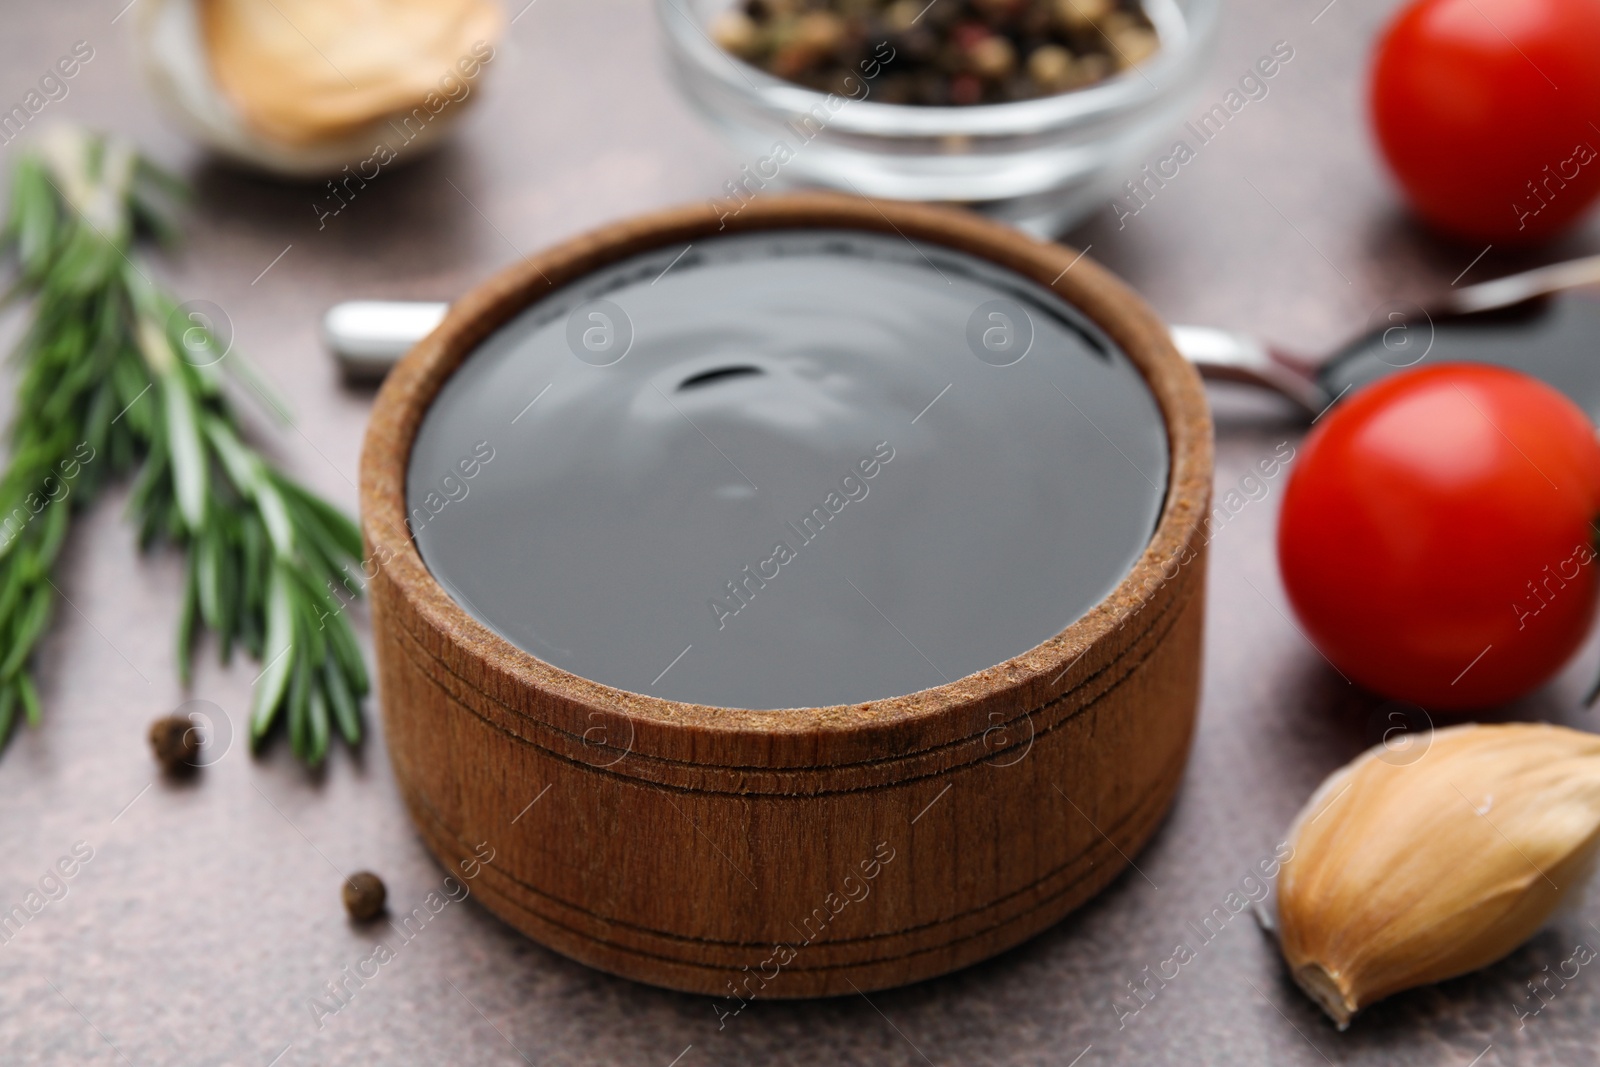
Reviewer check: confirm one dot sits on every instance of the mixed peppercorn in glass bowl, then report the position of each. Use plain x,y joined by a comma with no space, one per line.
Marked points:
1032,110
948,53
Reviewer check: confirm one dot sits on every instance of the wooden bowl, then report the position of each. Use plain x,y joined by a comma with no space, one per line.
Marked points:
806,852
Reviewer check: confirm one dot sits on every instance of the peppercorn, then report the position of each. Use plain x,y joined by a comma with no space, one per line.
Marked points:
968,35
1079,14
175,742
992,58
819,31
364,895
902,15
1091,68
965,89
1134,45
1050,67
736,32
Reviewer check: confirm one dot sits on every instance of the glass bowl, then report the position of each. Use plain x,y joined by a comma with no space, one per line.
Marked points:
1040,164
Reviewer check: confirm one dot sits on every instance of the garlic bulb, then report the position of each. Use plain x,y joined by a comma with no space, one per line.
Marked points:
304,88
1404,874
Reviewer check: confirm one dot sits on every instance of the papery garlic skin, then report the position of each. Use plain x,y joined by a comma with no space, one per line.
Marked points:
1405,874
179,65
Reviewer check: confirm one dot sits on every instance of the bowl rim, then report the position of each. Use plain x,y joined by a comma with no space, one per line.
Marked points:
562,699
1185,37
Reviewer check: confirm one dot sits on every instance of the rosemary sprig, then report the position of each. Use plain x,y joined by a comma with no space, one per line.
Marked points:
114,379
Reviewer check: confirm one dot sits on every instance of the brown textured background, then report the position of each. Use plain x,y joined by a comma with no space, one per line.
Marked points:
209,914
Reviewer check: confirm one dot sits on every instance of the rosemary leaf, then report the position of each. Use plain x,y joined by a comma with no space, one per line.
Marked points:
279,646
343,702
186,620
183,443
30,698
317,709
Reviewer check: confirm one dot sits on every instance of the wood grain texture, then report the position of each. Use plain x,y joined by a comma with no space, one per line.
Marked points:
801,852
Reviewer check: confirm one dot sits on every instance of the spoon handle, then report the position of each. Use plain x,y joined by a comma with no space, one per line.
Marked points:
368,337
1516,288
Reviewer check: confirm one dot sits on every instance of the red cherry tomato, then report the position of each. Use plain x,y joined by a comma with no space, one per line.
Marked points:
1487,112
1436,537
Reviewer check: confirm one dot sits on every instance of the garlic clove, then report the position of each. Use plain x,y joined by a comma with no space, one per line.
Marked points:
303,89
1407,874
301,71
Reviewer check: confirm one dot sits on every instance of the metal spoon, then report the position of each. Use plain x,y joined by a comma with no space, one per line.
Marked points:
1504,321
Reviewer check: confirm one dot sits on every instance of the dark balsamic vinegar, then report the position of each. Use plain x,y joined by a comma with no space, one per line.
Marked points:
792,469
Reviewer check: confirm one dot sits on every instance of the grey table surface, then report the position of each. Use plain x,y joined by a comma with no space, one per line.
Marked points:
208,921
